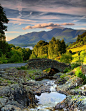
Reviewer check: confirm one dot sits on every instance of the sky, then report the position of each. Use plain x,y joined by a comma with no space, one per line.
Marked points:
27,16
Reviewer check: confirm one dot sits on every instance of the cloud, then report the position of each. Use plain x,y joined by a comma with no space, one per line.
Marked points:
47,25
68,24
21,21
71,7
12,32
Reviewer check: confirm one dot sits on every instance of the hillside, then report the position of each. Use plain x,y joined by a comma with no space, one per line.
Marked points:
80,43
78,49
68,34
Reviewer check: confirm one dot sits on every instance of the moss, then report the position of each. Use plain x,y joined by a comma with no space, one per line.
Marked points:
13,89
63,76
77,87
66,70
47,70
1,96
22,68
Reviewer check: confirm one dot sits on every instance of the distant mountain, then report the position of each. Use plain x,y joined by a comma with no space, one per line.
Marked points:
68,34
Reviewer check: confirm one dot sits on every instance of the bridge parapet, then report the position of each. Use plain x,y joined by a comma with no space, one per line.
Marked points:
46,63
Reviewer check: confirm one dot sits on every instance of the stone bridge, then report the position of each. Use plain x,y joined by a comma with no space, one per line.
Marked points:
46,63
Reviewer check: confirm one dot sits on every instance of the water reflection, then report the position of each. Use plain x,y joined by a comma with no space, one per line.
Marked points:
50,99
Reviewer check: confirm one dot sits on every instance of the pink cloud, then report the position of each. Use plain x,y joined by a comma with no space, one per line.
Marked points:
48,17
19,5
46,25
21,21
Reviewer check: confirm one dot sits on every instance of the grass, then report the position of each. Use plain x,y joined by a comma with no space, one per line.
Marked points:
32,73
78,48
75,55
63,76
22,68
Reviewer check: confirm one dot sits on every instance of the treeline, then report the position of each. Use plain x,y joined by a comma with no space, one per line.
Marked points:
11,54
50,50
81,40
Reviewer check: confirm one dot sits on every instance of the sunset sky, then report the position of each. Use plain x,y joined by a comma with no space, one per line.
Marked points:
38,15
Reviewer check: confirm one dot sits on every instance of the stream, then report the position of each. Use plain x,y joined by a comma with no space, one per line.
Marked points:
48,100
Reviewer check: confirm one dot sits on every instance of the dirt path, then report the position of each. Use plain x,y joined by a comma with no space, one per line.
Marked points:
3,66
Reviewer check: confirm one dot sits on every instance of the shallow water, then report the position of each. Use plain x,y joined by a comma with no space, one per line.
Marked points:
48,100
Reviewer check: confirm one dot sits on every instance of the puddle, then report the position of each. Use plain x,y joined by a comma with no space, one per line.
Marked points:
50,99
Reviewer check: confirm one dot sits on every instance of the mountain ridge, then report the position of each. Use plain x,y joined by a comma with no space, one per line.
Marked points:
68,34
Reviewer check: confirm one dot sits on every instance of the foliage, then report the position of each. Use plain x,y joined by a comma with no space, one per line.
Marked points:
3,19
5,47
10,53
16,58
66,70
82,56
81,37
14,54
33,56
81,40
3,59
74,65
63,76
66,58
33,73
77,49
79,57
22,68
79,73
26,53
49,50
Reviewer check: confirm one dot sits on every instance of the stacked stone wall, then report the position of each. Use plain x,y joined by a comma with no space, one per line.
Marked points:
46,63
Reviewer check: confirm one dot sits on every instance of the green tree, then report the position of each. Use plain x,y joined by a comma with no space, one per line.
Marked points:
63,46
3,59
16,57
4,47
3,19
40,50
26,53
51,49
66,57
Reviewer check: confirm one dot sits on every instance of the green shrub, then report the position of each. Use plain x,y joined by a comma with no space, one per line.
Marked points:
22,67
16,57
66,70
79,73
3,59
66,58
74,65
63,76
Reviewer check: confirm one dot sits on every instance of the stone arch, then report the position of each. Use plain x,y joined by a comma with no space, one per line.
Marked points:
53,71
46,63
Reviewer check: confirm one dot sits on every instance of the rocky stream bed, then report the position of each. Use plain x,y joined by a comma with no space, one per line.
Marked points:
18,92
